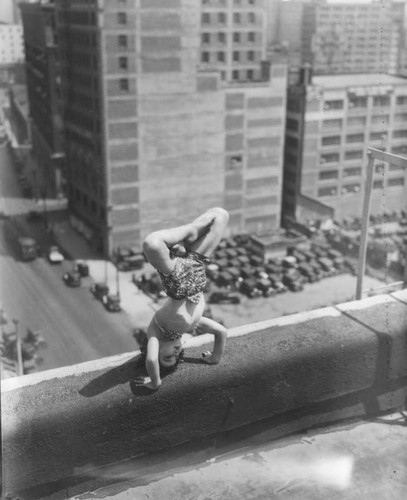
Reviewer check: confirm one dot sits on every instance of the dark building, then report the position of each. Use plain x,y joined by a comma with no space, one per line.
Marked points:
43,85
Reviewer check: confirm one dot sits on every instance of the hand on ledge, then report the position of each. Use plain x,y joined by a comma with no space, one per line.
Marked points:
146,382
210,358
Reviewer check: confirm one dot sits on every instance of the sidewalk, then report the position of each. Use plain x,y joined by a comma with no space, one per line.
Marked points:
136,304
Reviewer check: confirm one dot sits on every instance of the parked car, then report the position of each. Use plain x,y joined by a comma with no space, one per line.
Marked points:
256,260
289,262
277,283
266,287
224,297
327,266
306,270
54,255
112,303
72,278
225,279
83,268
99,290
231,253
131,263
247,271
249,288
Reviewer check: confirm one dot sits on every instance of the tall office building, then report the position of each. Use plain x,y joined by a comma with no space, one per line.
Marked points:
11,43
331,121
159,126
44,93
342,37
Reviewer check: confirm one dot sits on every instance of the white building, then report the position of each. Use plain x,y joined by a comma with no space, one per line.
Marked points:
11,43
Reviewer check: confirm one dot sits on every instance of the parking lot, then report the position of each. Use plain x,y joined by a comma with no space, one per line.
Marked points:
327,292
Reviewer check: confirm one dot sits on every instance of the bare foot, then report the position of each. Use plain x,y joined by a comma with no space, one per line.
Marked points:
200,226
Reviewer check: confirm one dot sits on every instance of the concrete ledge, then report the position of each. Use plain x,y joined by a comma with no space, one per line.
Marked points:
57,423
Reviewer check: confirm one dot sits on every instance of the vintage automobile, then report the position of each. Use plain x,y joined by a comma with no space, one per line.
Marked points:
54,255
112,303
224,297
72,278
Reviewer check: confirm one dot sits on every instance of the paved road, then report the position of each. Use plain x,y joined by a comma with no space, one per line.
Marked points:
75,325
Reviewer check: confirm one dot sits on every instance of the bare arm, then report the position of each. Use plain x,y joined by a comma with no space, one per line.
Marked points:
207,325
153,381
152,364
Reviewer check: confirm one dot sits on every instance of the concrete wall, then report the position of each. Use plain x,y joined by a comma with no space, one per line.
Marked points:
60,424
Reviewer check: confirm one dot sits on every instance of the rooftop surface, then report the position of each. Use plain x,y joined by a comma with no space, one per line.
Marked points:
356,80
359,460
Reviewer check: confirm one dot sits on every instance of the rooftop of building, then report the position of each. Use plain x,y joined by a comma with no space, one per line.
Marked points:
357,80
88,430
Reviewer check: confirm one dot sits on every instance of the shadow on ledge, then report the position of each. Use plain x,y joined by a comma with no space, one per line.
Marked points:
127,372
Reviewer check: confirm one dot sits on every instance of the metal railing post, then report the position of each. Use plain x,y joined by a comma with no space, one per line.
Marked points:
365,226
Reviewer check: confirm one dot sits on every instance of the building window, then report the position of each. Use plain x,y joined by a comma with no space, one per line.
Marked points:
328,174
401,100
400,117
355,138
399,150
237,18
397,181
352,172
252,18
251,36
331,140
292,124
381,100
222,18
351,188
236,37
393,167
122,41
124,84
236,56
379,168
123,63
250,55
327,191
205,19
335,104
356,121
380,119
250,74
205,38
235,162
221,37
336,123
205,57
221,56
357,102
122,18
354,155
235,74
329,158
398,134
378,184
378,136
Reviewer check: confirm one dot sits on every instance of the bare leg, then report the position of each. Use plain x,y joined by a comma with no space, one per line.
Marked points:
210,235
202,236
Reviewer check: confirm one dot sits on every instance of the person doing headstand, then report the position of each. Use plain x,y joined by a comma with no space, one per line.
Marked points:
180,255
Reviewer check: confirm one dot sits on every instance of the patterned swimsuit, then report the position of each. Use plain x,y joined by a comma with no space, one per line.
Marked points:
187,281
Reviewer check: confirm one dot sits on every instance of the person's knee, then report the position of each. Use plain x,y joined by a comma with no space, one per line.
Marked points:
151,244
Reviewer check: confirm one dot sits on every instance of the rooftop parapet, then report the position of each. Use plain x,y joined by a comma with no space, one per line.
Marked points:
343,360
